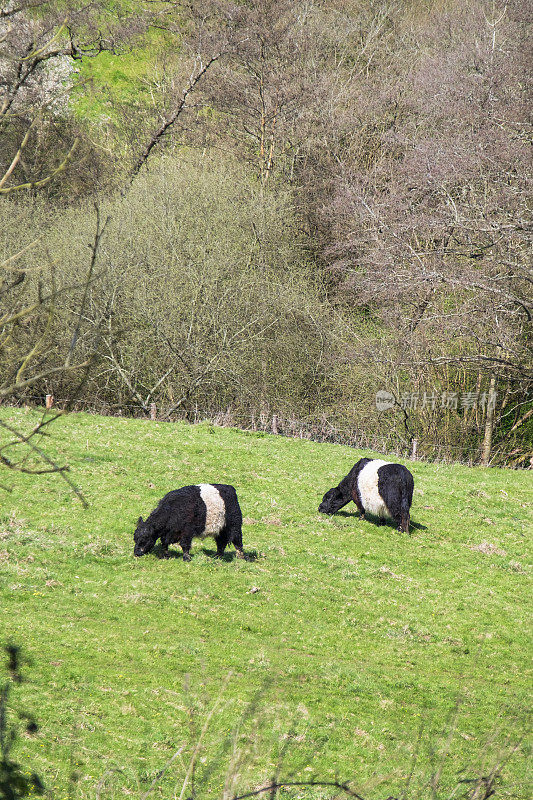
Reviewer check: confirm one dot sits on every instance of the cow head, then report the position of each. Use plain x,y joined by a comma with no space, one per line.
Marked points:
144,538
333,500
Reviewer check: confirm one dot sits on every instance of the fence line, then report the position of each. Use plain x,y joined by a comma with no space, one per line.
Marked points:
313,428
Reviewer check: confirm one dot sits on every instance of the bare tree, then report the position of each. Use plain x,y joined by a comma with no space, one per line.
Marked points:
41,41
430,229
27,320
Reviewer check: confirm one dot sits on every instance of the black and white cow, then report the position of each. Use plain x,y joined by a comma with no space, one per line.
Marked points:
376,486
209,509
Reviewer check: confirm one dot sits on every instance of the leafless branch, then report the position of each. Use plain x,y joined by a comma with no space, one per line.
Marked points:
161,131
27,440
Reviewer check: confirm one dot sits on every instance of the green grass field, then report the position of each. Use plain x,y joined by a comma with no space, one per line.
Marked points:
353,639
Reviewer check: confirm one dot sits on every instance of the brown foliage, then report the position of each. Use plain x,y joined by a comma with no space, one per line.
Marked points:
430,224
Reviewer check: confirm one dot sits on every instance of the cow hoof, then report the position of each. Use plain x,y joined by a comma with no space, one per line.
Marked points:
240,554
186,557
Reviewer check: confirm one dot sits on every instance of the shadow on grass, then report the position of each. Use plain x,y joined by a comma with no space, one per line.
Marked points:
379,521
229,555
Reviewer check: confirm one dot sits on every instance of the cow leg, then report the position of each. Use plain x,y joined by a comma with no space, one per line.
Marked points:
235,536
221,541
164,545
404,522
185,542
355,498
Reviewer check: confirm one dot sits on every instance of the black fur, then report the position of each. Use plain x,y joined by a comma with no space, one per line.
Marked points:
181,516
395,486
340,495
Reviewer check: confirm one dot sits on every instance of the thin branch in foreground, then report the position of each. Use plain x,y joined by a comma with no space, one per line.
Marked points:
158,135
273,787
54,466
100,230
198,746
43,181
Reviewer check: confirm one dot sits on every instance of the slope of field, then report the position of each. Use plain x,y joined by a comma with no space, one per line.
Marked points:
340,648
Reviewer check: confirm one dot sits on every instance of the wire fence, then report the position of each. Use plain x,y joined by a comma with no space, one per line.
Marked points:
316,428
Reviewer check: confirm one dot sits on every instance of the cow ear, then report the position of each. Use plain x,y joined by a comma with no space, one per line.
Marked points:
140,521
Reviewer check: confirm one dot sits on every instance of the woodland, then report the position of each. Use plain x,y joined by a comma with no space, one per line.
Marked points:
258,209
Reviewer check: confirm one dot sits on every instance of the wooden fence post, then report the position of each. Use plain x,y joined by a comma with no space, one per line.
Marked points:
275,423
489,424
153,411
49,402
413,449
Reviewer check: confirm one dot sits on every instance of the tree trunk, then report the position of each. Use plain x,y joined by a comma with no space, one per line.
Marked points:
489,421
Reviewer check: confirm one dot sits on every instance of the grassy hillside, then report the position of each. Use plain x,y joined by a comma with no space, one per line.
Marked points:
125,78
342,638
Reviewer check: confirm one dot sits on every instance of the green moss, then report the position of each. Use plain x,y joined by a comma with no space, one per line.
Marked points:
109,80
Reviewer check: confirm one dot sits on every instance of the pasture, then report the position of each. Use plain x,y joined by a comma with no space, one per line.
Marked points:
340,648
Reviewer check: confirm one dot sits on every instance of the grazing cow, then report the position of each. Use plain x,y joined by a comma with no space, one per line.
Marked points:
376,486
192,512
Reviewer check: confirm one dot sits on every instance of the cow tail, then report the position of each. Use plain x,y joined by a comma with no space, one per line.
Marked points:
404,510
